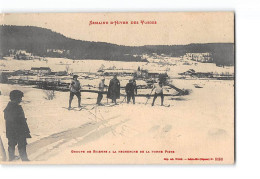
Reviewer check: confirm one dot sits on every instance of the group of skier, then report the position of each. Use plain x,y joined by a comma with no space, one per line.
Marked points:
113,91
17,130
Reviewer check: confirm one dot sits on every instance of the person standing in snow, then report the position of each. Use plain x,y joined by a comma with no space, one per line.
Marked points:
101,87
75,90
114,89
17,130
131,90
158,87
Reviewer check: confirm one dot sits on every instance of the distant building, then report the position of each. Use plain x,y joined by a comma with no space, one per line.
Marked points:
21,72
199,57
141,73
41,70
21,55
61,73
192,73
120,72
156,74
59,51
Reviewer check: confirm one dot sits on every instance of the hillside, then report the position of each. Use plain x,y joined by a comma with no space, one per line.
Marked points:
41,41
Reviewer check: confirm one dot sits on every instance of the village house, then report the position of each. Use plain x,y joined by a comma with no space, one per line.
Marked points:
141,73
199,57
59,51
22,55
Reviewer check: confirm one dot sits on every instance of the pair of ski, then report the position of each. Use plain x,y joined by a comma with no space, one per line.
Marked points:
149,96
79,108
85,107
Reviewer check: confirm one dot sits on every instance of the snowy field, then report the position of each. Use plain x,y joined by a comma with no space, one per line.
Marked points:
200,124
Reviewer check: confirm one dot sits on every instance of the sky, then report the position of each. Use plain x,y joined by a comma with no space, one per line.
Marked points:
170,28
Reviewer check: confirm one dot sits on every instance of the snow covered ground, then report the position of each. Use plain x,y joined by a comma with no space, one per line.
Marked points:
200,124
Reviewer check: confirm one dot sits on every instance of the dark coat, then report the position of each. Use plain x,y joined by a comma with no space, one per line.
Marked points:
113,89
16,125
131,88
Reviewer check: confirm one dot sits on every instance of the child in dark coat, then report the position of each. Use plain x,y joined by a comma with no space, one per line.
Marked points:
17,130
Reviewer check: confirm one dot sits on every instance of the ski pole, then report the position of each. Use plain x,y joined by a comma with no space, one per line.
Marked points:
149,97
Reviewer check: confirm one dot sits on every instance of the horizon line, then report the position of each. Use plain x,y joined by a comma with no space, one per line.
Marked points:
113,43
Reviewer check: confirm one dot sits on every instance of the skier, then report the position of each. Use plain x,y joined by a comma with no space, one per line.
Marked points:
17,130
131,90
158,92
101,88
75,90
114,89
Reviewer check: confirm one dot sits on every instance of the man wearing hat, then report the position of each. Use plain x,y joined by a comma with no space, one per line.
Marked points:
114,89
75,90
17,130
131,90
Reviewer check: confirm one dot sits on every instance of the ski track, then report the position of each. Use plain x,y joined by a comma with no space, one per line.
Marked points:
50,146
